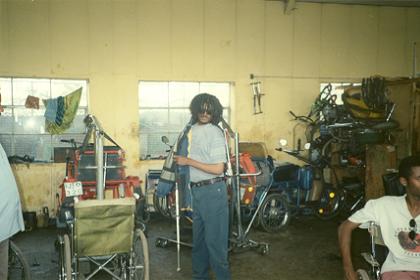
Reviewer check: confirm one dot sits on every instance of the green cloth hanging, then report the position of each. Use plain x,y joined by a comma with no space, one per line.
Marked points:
71,104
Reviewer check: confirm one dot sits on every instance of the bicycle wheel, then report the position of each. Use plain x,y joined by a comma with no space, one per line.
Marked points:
18,266
274,213
139,261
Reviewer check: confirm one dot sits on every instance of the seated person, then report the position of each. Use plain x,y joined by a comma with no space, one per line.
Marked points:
398,217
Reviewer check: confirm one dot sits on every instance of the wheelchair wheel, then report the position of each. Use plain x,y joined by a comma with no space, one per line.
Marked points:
161,204
363,275
139,261
274,213
330,204
67,257
18,266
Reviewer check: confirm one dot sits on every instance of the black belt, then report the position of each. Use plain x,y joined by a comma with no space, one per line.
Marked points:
206,182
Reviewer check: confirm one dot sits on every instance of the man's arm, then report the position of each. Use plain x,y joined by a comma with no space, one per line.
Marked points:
344,238
216,169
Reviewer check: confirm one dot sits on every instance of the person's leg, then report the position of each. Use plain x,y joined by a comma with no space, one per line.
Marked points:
4,258
217,230
200,257
401,275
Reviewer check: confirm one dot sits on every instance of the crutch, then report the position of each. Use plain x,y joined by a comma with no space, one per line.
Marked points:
229,171
177,216
178,236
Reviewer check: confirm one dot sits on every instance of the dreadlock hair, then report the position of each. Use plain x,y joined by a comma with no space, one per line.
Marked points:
406,165
205,102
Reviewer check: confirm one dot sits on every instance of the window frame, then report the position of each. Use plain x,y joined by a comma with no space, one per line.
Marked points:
149,155
54,90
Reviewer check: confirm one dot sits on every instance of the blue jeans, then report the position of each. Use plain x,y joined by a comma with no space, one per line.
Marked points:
210,231
4,258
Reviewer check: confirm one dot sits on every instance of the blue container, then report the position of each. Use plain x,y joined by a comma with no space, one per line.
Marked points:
305,177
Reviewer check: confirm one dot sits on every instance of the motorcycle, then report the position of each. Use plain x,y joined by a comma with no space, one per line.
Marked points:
344,198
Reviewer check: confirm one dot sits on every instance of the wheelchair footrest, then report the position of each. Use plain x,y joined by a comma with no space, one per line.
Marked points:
370,259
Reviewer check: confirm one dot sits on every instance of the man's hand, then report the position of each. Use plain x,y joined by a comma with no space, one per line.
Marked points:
216,168
180,160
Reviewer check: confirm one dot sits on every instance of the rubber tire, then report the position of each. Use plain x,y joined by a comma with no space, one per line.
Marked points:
16,252
263,249
141,254
334,206
391,124
363,275
274,208
158,242
59,243
67,257
161,205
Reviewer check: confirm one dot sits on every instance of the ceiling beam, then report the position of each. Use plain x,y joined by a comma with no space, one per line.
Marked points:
290,4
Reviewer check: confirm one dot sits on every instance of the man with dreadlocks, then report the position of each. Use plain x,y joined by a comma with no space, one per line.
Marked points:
206,161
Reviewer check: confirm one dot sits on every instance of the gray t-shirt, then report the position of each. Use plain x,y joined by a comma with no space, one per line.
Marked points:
207,145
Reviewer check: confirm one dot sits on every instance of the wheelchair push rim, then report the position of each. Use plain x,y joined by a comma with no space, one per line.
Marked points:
275,213
17,263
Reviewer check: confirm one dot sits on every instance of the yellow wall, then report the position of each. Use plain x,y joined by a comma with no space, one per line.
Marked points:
116,43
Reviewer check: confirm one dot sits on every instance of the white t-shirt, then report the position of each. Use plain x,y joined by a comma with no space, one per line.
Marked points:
392,215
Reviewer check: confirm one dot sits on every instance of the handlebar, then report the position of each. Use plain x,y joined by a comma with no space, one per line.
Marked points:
304,119
290,152
338,125
250,174
71,141
295,153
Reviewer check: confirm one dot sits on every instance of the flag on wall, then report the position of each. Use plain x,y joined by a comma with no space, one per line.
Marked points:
60,111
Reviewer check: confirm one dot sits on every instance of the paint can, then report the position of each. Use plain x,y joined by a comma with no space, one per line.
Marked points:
30,220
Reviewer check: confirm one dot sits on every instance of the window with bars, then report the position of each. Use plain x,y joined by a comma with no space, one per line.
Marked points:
164,111
22,129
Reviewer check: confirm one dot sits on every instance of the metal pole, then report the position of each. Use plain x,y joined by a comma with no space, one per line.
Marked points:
178,235
263,196
411,123
414,60
238,190
99,145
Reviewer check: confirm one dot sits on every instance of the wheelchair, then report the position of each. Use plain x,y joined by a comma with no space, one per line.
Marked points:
379,251
99,237
377,255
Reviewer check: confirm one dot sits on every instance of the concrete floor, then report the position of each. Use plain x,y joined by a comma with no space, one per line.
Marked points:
307,249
